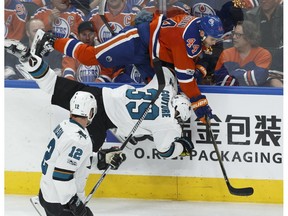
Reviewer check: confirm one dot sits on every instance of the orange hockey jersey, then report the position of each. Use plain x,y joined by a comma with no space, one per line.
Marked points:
67,23
116,22
175,41
15,20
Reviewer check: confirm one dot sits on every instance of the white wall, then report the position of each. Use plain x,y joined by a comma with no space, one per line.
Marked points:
29,119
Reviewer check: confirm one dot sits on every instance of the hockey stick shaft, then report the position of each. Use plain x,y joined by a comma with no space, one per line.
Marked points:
97,185
102,4
235,191
161,85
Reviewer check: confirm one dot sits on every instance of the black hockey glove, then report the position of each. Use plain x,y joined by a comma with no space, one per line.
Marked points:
112,156
77,207
43,43
187,145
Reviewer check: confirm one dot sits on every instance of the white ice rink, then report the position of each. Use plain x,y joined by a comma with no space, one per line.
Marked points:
20,205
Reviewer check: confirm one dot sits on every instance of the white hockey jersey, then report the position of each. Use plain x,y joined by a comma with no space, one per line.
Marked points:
66,163
126,104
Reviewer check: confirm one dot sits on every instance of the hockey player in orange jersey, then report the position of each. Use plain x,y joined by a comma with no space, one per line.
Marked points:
176,41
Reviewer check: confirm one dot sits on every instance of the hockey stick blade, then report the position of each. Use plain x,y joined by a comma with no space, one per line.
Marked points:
235,191
248,191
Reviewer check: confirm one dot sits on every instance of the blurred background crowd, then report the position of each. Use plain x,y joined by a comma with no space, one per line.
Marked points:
252,43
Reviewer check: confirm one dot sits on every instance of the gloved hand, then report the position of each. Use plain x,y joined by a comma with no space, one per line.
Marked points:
222,78
76,206
112,156
43,43
201,108
200,72
256,77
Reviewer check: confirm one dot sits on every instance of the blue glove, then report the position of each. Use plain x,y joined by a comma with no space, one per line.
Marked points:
201,108
222,78
200,73
256,77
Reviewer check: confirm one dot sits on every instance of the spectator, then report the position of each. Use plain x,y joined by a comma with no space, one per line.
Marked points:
83,5
230,12
15,19
118,15
56,58
72,68
268,17
173,8
14,70
245,64
40,3
61,18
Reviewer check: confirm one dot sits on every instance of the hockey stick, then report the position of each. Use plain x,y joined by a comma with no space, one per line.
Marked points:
102,16
161,85
97,185
235,191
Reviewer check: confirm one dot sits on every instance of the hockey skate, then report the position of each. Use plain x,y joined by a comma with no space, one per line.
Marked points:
187,146
37,206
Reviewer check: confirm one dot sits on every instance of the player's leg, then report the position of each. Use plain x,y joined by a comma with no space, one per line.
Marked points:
170,145
52,209
125,48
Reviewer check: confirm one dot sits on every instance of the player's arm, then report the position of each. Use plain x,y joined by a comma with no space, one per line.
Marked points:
170,144
186,75
76,49
61,88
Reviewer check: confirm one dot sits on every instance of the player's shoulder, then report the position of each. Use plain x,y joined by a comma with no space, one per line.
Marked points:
74,132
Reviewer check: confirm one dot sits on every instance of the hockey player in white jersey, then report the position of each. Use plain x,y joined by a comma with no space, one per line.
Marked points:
67,161
122,107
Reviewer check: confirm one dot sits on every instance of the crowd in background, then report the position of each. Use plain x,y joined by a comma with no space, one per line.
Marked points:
250,52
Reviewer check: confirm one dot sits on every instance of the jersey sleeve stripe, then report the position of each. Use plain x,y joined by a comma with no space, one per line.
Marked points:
41,71
71,47
62,175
